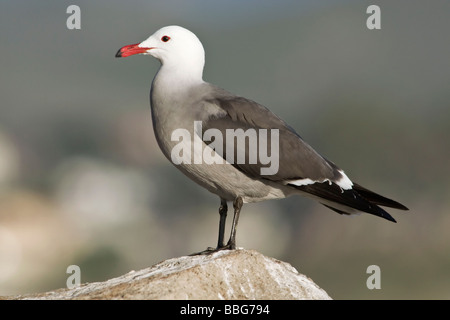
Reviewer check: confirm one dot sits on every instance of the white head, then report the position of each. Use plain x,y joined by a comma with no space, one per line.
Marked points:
177,48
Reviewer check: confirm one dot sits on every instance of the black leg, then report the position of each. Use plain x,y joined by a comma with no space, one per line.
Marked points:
237,204
223,217
231,245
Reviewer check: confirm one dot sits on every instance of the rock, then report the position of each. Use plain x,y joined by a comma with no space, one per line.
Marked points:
237,274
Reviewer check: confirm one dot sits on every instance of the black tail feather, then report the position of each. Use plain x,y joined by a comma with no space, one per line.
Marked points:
358,198
378,199
335,210
380,213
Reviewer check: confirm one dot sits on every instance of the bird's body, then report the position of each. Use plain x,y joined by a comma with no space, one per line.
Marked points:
181,101
225,180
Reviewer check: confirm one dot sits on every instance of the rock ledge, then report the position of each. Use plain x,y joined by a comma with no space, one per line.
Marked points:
237,274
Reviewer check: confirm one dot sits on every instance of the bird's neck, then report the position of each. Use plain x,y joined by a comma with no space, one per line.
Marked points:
177,78
171,92
172,88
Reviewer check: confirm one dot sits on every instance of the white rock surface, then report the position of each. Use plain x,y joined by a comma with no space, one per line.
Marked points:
237,274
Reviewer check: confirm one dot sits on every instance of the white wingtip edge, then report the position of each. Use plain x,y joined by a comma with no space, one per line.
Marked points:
344,182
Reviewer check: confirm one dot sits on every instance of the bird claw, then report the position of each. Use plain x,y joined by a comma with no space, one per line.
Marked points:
211,250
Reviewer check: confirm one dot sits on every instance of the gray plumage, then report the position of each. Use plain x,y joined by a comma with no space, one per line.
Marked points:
179,98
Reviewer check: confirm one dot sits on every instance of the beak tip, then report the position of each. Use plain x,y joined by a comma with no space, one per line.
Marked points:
130,50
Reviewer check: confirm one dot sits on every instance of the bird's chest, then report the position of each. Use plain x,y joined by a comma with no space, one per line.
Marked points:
173,123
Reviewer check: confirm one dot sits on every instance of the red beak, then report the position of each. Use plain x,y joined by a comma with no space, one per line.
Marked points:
130,50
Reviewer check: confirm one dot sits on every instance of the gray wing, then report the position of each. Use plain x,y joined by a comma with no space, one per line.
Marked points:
297,159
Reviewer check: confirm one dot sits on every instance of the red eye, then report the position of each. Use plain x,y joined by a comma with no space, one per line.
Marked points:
165,38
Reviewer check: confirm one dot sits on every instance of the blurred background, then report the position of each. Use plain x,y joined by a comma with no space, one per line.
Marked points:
83,182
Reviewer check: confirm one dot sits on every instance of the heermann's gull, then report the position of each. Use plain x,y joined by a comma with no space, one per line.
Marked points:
192,120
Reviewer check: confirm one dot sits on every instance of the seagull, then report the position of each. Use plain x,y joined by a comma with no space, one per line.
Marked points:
192,118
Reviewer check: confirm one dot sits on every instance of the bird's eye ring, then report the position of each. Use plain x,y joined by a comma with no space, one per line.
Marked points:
165,38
